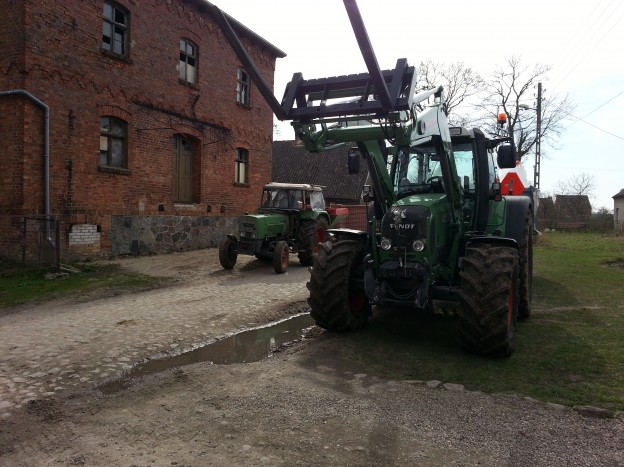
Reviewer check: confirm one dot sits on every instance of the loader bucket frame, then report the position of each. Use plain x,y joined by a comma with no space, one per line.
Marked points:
374,94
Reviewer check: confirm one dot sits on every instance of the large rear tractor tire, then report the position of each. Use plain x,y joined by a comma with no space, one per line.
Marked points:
525,251
311,233
228,252
488,310
338,301
281,257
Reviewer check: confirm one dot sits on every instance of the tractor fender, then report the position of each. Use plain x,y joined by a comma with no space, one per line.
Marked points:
492,240
315,215
515,215
232,236
349,234
326,217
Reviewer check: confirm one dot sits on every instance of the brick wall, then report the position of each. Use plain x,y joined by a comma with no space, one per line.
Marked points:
55,54
84,234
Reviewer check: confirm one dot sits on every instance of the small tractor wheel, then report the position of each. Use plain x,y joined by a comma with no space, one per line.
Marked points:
228,252
488,310
525,251
311,233
280,257
338,301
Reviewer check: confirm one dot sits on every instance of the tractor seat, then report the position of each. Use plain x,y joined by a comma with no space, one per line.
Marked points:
437,186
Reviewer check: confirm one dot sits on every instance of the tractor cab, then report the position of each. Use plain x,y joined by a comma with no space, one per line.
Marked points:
290,196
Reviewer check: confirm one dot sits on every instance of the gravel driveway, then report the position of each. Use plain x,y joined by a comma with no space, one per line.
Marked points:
302,406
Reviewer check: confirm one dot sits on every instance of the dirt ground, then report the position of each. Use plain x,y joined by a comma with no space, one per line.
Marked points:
303,405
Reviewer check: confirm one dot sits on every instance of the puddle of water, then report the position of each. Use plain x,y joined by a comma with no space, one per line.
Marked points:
245,347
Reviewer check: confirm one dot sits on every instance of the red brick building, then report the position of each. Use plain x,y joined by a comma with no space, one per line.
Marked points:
157,139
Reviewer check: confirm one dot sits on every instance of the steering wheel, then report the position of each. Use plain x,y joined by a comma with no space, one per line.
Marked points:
436,183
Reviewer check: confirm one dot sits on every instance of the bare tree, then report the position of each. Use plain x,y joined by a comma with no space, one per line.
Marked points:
460,84
578,184
603,220
510,90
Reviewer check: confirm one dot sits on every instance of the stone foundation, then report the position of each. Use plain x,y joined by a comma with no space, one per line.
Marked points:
138,235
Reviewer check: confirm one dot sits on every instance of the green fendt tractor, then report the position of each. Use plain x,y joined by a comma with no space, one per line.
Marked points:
291,217
439,228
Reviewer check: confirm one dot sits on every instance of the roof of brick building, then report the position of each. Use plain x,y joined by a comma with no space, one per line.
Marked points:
573,206
292,163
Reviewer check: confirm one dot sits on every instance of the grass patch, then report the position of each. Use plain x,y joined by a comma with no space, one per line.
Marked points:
20,285
570,351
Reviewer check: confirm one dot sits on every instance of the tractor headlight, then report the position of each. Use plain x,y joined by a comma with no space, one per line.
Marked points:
386,244
418,245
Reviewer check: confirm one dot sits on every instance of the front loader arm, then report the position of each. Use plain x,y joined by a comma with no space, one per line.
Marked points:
368,109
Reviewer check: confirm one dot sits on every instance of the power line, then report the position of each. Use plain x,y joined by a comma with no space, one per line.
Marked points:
599,107
589,169
559,108
581,39
596,127
586,39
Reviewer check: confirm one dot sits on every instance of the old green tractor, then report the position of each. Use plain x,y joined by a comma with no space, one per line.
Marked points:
439,228
291,218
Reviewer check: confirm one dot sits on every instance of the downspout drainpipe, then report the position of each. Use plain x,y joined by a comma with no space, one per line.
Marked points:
46,154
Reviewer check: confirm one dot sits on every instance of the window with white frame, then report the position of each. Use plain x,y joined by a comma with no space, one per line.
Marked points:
113,142
242,87
115,29
242,166
188,61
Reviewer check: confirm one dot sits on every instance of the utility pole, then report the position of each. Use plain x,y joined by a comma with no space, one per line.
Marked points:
538,138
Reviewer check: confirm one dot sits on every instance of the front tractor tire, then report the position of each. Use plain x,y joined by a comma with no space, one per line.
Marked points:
488,311
338,301
228,252
311,233
281,257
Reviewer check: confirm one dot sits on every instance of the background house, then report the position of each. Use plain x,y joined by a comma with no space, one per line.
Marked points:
157,139
618,210
546,213
573,212
565,212
293,163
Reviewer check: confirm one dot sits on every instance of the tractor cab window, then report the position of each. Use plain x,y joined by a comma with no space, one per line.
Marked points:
464,163
417,170
282,199
267,198
317,202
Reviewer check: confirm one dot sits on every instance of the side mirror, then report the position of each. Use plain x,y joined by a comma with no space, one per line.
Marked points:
354,161
506,156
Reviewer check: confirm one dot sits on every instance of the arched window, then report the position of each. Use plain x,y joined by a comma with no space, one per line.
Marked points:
113,142
242,166
183,173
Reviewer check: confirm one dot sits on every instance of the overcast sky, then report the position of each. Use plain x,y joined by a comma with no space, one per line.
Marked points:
581,40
